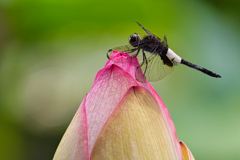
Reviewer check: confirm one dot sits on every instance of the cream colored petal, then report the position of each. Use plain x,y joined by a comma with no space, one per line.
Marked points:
168,120
135,130
74,144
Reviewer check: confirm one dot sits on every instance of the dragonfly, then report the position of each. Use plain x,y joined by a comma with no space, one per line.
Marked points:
158,60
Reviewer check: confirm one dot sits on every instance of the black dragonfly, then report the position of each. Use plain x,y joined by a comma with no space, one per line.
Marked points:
157,59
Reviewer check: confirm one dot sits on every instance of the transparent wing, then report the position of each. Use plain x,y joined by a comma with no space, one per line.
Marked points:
164,41
174,63
127,48
153,69
149,33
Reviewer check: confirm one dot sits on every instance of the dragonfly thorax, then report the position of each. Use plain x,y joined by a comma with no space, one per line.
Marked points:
154,45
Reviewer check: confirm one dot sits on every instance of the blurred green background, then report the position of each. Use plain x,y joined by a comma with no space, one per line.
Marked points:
51,50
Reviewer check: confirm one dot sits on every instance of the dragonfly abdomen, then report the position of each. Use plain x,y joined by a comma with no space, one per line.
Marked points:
204,70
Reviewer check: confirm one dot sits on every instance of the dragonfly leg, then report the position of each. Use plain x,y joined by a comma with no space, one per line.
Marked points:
135,55
145,60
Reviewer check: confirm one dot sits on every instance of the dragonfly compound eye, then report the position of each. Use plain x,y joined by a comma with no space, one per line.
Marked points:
134,39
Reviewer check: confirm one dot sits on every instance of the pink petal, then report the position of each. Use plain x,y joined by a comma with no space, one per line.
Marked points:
74,144
127,63
110,85
124,61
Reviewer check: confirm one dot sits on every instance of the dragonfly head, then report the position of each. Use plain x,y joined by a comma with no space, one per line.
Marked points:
134,40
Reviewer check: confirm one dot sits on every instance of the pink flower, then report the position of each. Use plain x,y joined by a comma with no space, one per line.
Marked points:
121,118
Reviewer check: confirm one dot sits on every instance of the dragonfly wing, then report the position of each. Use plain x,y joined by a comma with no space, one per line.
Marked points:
149,33
174,63
127,48
153,69
164,41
